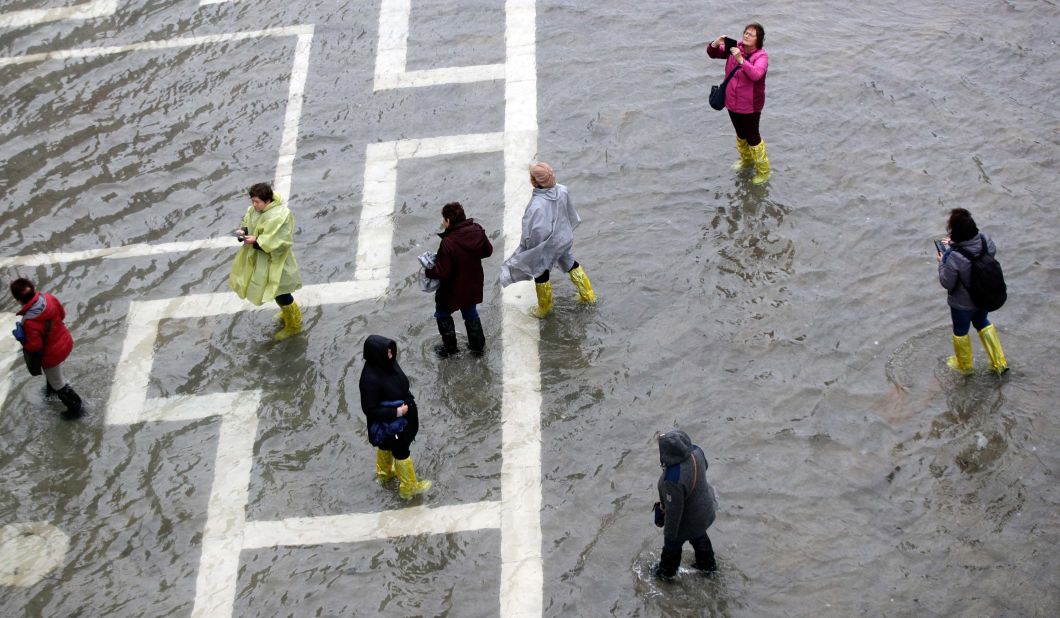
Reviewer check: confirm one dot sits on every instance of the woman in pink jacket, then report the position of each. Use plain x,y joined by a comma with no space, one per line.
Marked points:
745,96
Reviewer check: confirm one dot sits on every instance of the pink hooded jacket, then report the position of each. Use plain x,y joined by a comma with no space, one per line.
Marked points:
746,92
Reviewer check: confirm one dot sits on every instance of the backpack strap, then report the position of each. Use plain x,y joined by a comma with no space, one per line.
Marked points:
695,471
673,472
971,259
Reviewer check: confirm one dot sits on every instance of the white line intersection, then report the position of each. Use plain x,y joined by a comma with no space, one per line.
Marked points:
226,533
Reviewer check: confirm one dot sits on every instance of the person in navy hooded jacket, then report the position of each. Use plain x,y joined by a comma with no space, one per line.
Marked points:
687,502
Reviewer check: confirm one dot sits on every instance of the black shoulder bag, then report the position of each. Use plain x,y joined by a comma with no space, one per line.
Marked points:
33,361
717,93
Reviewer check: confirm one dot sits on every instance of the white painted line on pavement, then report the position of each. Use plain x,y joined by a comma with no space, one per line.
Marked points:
292,117
522,571
123,251
380,189
128,397
222,537
285,158
10,357
30,551
360,527
92,52
222,542
392,56
31,17
518,514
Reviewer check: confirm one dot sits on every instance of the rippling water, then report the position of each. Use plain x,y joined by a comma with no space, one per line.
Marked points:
796,331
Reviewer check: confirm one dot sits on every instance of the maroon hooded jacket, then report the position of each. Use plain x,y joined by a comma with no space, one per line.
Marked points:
459,265
44,309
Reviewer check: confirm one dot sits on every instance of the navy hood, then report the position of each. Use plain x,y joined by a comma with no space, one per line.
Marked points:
674,447
375,347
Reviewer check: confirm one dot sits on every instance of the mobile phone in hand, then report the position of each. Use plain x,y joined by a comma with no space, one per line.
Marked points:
730,43
941,248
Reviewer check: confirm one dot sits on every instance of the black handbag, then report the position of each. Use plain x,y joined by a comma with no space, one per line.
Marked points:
33,360
717,93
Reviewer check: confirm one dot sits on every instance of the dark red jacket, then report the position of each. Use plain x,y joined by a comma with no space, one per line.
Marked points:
42,310
459,265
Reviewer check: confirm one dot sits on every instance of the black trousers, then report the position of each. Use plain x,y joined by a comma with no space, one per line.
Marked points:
671,554
544,278
746,126
400,445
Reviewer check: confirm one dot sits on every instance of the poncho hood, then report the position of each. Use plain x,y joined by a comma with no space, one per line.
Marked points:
674,447
551,193
277,200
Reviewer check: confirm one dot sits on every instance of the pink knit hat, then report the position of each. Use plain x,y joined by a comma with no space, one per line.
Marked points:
543,174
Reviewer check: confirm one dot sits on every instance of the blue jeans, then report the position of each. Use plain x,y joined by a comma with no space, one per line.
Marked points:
469,312
963,318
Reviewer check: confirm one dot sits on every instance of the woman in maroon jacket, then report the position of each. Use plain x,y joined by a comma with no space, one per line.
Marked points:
46,341
745,96
459,268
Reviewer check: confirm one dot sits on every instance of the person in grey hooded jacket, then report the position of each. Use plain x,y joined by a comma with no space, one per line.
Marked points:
688,503
955,272
547,240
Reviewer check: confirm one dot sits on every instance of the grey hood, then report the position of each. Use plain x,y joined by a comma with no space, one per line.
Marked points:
674,447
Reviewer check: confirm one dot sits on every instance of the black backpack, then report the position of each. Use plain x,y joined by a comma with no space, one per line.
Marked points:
986,284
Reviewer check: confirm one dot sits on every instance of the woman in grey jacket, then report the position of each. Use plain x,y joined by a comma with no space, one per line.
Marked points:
954,274
688,502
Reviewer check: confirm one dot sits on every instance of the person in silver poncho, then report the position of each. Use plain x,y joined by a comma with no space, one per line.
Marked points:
547,240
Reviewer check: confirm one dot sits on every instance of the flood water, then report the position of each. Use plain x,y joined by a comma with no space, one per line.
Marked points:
796,330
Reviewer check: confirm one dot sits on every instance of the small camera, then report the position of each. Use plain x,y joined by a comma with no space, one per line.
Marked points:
239,234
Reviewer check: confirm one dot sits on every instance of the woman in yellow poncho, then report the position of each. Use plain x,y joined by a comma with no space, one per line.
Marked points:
265,266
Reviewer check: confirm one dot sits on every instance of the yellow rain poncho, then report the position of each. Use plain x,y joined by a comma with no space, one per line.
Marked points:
260,275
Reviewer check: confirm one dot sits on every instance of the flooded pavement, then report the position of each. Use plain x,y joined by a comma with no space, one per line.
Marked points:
796,331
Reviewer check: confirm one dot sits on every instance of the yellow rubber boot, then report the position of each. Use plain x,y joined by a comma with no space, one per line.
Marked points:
544,300
410,485
993,349
746,159
292,322
582,283
762,170
962,359
384,466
